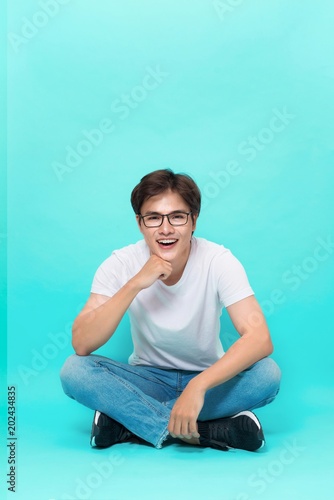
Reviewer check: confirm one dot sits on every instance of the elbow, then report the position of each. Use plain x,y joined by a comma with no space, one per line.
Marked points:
268,346
263,343
264,339
79,351
77,344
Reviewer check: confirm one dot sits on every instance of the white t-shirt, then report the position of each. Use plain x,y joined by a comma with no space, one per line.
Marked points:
177,326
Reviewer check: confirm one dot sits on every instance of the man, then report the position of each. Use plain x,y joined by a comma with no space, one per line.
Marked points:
179,383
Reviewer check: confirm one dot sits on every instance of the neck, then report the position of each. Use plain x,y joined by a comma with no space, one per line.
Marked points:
173,279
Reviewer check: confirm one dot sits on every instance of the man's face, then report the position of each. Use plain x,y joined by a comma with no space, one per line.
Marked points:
171,243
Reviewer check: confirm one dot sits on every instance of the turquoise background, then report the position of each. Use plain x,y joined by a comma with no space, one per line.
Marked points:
223,71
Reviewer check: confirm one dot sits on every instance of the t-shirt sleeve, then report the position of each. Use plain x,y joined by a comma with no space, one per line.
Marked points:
233,284
108,277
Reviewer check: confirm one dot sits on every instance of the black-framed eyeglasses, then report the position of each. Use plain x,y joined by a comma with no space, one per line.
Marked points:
174,219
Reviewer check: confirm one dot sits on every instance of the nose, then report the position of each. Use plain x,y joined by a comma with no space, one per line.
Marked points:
166,227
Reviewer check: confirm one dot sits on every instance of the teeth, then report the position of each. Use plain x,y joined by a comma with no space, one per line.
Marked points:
166,242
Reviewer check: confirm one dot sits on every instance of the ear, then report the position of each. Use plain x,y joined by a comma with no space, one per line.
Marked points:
138,219
194,221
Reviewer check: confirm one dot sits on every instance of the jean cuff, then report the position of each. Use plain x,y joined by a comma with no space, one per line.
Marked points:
162,439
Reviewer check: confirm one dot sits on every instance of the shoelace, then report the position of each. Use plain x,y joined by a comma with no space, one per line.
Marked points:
217,430
220,445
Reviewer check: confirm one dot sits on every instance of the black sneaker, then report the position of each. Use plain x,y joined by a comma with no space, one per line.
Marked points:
106,431
242,431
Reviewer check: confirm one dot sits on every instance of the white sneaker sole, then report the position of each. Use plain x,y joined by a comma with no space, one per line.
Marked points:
254,418
96,417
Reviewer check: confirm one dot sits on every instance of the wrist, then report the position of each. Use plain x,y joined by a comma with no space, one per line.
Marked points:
197,384
133,286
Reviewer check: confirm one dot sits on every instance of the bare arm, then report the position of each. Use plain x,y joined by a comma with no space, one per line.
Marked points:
253,345
101,315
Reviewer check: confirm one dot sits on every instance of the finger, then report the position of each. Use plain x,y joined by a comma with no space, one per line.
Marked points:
176,429
171,427
193,430
185,429
165,275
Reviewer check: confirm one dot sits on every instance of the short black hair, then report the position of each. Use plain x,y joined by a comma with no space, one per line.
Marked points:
159,181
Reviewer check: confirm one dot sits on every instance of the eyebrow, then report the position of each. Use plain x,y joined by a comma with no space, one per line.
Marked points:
159,213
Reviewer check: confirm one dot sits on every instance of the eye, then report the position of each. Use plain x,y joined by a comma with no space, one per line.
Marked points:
179,216
153,217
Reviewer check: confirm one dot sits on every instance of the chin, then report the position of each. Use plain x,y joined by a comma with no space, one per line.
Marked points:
166,255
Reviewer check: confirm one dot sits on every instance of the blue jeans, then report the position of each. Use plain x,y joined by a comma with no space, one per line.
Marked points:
142,397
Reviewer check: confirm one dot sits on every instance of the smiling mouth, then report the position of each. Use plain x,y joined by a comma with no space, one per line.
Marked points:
167,242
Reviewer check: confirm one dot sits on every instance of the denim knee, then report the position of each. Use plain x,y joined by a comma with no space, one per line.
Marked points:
268,371
71,372
272,371
68,366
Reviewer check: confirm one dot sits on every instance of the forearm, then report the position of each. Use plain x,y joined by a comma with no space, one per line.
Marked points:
97,323
246,351
94,328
